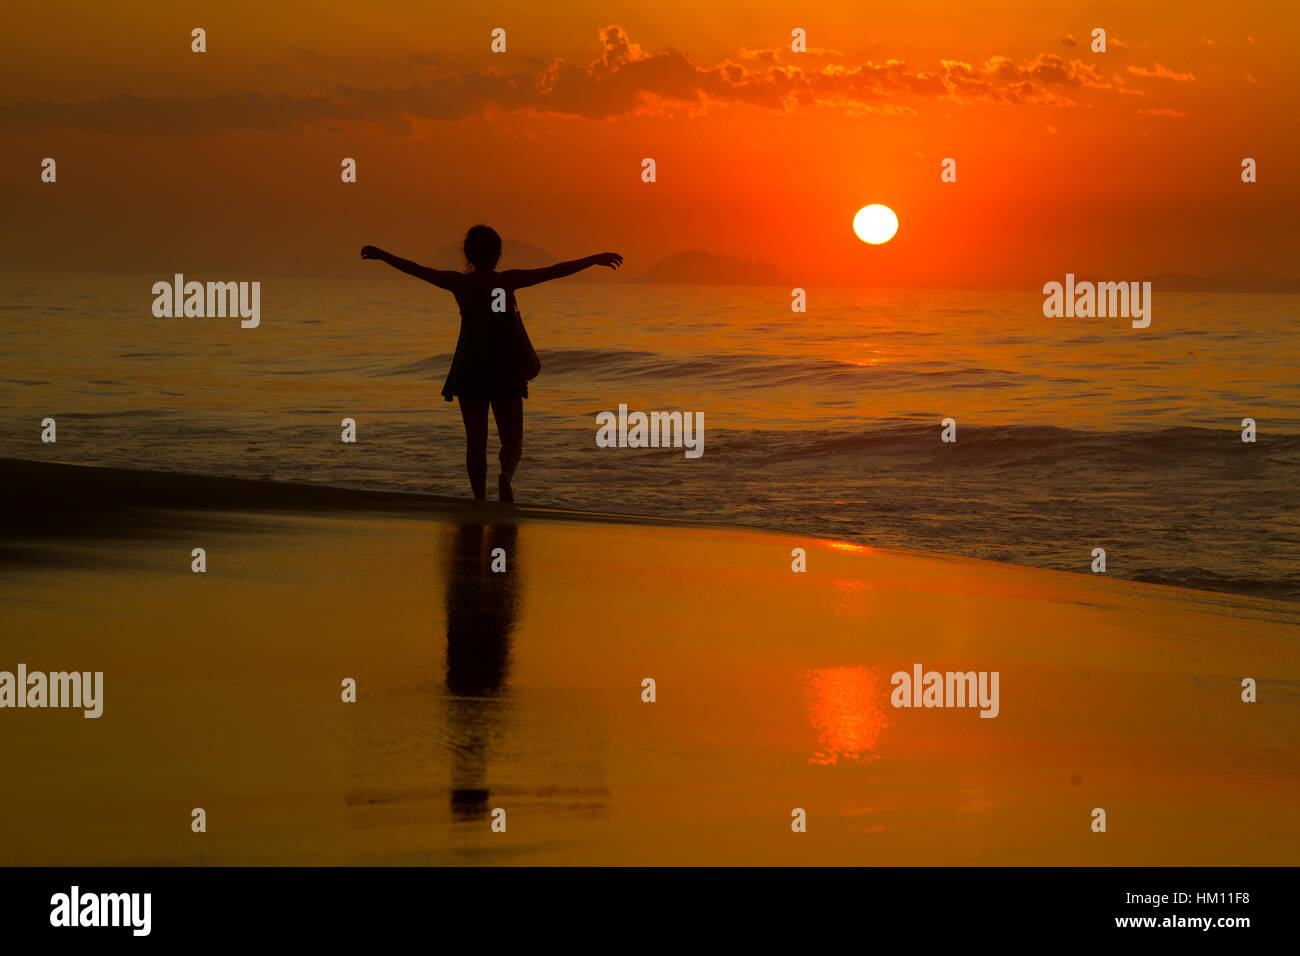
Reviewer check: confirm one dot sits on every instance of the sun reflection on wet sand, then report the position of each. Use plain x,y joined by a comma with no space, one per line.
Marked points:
844,706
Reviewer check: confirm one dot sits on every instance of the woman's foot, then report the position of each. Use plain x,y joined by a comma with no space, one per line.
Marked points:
503,486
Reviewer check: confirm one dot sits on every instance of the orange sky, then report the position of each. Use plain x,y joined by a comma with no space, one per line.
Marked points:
1119,164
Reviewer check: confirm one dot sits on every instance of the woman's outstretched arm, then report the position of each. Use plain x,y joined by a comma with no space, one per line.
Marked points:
442,278
519,278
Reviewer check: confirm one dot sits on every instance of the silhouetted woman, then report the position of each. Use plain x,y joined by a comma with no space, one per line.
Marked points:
490,367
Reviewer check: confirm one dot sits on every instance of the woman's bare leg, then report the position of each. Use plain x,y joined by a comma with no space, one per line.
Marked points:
474,412
509,414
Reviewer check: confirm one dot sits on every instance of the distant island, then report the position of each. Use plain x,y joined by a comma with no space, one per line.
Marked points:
701,267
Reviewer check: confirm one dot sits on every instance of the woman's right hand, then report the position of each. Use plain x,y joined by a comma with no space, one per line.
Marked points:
611,259
371,252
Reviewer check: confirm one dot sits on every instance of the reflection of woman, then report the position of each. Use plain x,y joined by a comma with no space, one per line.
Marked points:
489,368
482,609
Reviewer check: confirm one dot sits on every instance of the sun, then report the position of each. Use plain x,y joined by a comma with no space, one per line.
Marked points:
875,224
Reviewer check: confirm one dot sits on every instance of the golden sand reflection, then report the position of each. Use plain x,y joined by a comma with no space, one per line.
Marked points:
845,706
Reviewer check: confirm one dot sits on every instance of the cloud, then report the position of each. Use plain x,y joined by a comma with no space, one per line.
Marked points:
1161,72
1118,80
625,79
1069,40
1162,112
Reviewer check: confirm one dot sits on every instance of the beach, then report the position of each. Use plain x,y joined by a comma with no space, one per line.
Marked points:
522,690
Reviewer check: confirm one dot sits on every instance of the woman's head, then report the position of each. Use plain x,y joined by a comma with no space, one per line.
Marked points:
482,248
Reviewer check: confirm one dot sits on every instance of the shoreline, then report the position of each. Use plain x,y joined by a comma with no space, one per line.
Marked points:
41,482
37,490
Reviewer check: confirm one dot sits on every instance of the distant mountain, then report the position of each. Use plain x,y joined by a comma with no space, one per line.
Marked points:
701,267
1227,280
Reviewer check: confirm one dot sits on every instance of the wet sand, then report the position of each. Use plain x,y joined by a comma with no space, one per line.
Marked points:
522,691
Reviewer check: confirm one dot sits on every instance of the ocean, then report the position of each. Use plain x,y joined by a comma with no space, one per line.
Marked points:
1072,434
